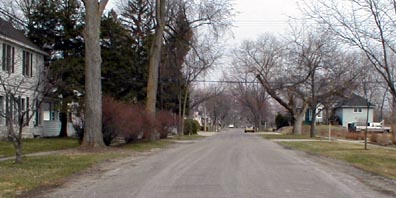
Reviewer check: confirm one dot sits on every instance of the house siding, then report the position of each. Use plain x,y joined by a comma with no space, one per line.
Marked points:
37,65
347,115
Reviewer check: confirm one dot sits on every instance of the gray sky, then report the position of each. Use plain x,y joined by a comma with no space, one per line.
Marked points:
256,17
253,17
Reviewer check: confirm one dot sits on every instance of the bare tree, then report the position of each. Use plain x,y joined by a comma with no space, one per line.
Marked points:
367,25
203,56
93,86
199,13
251,96
330,72
266,60
23,96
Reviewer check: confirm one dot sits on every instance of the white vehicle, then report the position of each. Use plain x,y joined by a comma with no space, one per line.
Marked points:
371,126
231,126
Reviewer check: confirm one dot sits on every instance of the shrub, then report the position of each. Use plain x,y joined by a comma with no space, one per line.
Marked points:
281,120
384,139
165,122
191,127
121,119
374,137
354,136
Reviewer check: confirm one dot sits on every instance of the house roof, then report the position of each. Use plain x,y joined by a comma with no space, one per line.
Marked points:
14,35
353,101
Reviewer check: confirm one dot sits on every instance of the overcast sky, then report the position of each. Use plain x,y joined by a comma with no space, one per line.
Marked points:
255,17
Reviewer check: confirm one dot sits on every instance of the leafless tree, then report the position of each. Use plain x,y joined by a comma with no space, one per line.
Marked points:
329,71
93,86
199,13
203,56
265,59
251,96
23,96
367,25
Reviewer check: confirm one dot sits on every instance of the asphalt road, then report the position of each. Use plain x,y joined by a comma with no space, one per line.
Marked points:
231,164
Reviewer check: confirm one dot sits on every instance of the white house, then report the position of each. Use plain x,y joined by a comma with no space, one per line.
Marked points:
22,61
353,109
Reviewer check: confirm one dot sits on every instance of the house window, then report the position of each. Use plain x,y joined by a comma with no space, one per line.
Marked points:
49,113
357,110
8,58
27,61
38,115
2,119
320,113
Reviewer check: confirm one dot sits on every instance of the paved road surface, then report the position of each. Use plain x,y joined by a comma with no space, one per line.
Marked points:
228,165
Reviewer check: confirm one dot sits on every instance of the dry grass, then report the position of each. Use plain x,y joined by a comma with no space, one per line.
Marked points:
380,161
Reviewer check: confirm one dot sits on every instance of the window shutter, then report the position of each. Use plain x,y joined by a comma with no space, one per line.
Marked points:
13,60
27,109
23,62
31,65
7,110
4,57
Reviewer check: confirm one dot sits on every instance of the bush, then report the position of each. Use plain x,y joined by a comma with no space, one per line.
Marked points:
121,119
354,136
374,137
130,121
165,123
281,120
191,127
384,139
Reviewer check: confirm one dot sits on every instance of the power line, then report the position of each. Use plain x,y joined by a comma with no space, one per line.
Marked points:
16,19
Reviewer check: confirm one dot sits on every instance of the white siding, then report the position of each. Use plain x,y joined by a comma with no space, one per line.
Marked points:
348,116
17,76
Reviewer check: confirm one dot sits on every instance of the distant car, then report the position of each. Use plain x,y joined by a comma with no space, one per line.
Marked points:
249,129
231,126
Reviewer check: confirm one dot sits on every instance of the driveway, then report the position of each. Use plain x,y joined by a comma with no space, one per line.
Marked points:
231,164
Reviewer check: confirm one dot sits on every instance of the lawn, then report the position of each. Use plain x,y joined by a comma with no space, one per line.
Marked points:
377,160
38,145
50,170
286,136
143,146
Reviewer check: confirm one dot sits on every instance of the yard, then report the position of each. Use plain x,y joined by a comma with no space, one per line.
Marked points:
52,170
378,160
381,161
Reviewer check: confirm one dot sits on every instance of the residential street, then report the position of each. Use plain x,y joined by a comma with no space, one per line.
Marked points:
231,164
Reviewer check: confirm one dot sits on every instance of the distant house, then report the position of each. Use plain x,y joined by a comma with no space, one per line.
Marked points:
319,115
353,109
20,58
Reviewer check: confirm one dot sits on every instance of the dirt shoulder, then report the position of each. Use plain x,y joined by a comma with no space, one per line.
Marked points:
375,182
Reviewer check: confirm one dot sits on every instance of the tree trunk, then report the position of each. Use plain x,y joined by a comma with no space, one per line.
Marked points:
179,124
313,123
16,141
154,61
63,119
93,136
184,108
298,119
297,127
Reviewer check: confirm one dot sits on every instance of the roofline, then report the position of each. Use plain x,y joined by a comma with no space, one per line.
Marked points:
350,106
24,45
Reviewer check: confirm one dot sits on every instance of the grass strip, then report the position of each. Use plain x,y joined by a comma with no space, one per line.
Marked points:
143,146
285,136
38,145
40,171
381,161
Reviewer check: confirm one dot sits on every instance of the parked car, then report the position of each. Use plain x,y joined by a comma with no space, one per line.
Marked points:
231,126
249,129
371,126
